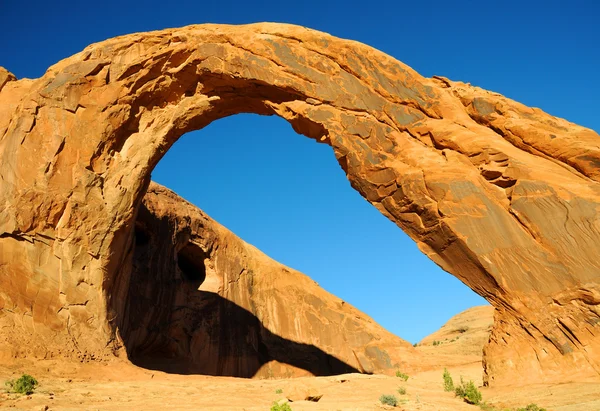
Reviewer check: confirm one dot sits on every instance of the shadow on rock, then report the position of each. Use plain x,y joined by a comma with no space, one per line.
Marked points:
213,336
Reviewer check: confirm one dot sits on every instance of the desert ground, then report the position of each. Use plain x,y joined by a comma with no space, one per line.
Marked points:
120,386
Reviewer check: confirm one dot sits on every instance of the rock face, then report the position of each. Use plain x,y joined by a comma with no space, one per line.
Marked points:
201,300
503,196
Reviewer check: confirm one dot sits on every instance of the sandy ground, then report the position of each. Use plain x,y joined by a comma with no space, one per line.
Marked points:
121,386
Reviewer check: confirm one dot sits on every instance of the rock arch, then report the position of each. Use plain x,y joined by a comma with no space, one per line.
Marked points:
503,196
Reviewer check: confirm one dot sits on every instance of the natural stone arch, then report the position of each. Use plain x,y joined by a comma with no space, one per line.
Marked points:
500,195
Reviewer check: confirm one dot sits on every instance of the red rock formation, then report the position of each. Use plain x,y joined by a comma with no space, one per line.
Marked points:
503,196
203,301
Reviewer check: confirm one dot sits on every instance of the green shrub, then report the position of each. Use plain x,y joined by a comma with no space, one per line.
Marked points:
468,392
532,407
402,375
402,391
278,391
281,407
388,400
24,385
448,383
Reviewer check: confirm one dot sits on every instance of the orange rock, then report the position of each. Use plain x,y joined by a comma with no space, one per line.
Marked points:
503,196
203,301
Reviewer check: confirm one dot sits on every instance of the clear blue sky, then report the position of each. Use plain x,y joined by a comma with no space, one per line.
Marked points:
286,194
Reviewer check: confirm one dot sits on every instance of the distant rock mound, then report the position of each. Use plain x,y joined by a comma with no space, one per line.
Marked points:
203,301
464,334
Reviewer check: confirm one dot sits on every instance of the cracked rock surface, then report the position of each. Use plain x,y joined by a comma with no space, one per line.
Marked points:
503,196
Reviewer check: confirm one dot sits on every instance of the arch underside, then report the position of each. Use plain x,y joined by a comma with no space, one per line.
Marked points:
500,195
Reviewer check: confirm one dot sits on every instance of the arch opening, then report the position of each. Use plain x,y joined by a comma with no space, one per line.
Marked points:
190,260
193,325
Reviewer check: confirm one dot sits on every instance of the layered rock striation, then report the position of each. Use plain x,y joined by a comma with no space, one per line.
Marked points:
503,196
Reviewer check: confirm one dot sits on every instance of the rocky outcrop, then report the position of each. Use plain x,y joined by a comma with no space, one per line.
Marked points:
503,196
201,300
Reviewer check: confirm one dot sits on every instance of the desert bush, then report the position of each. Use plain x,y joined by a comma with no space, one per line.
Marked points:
388,400
281,407
401,390
532,407
468,392
402,375
23,385
278,391
448,383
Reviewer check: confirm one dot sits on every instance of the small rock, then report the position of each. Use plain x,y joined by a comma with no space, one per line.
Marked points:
303,393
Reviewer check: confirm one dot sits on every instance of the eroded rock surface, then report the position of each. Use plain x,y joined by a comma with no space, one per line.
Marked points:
203,301
503,196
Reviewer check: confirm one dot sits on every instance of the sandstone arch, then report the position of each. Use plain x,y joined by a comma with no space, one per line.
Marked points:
502,196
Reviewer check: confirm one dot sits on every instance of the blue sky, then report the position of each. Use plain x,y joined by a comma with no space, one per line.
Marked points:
286,194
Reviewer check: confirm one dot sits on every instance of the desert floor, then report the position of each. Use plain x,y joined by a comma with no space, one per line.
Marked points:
119,386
